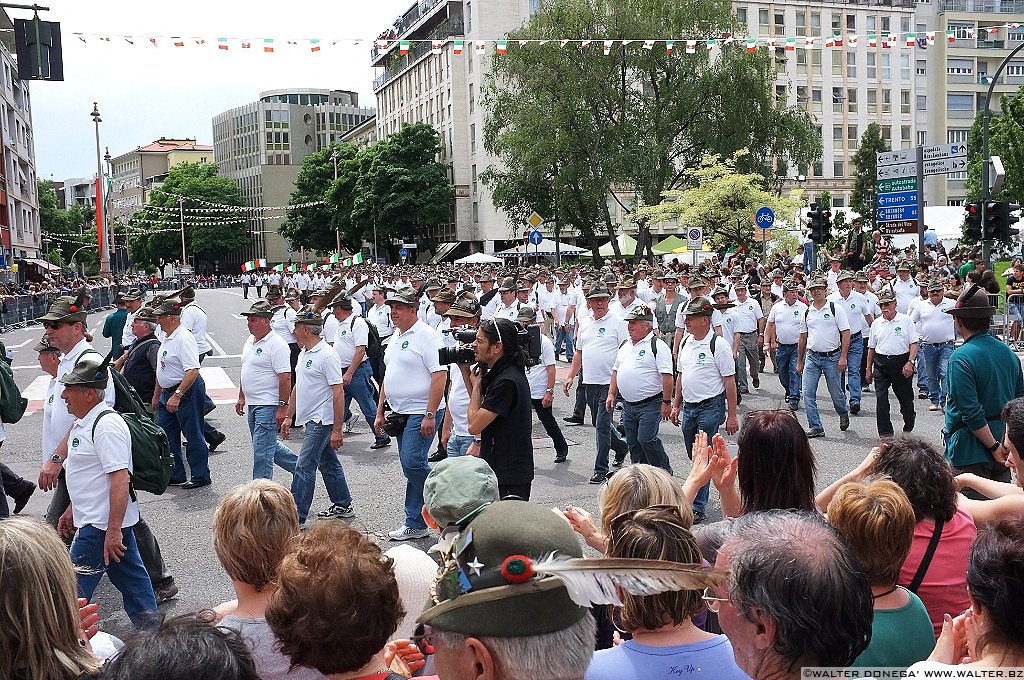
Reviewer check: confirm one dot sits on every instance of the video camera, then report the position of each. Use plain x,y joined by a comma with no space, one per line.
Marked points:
462,353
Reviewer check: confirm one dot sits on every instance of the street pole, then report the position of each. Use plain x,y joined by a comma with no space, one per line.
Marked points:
337,232
181,222
109,222
101,233
985,158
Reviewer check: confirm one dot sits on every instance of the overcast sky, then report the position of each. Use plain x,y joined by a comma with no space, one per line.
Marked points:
145,93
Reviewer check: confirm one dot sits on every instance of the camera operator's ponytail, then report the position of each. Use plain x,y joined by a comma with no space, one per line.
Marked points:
507,332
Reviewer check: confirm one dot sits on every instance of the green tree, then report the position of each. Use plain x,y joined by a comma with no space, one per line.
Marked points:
721,200
318,226
1006,140
208,236
64,231
864,198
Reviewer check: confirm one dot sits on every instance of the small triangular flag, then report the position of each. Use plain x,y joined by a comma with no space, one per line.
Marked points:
648,44
436,46
691,46
668,46
751,44
222,43
457,46
403,46
314,45
608,46
268,45
930,37
480,45
501,46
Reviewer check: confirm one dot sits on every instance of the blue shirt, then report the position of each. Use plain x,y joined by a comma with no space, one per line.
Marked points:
632,661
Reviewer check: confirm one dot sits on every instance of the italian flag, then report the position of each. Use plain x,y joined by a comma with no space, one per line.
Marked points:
711,44
950,36
268,44
311,267
279,268
403,47
872,40
347,262
751,44
501,46
314,45
668,46
293,268
222,43
790,44
335,258
357,258
457,46
435,46
252,265
911,39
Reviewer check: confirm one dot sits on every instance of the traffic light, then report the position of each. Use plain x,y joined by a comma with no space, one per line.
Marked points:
1005,219
974,222
826,226
814,218
990,230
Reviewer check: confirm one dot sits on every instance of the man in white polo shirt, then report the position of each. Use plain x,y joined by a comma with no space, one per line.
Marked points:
705,394
937,333
748,326
783,332
264,391
824,343
643,374
413,386
318,404
353,333
892,350
859,313
195,319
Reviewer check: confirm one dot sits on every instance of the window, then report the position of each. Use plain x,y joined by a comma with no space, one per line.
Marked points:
801,94
959,67
922,102
472,137
957,135
473,167
885,24
851,22
886,66
851,65
780,23
871,23
837,99
839,201
476,212
922,137
872,69
741,15
852,138
887,133
851,100
468,16
815,62
763,18
818,170
905,134
780,93
472,98
962,31
872,101
922,67
837,136
815,99
837,22
816,23
886,101
801,62
801,23
1015,68
904,24
837,67
838,168
904,101
904,67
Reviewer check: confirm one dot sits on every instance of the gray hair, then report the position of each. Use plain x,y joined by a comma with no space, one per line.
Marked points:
794,568
562,655
149,324
101,393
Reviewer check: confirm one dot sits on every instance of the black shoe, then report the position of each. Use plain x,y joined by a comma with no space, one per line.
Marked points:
598,478
618,461
922,395
196,485
383,443
573,420
698,516
177,482
854,409
437,457
216,441
814,434
908,427
744,390
756,381
561,456
21,501
844,422
793,407
167,591
621,430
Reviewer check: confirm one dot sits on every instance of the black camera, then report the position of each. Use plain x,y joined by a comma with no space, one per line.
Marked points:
531,343
462,353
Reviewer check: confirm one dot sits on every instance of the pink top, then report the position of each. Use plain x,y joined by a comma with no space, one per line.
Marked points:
944,589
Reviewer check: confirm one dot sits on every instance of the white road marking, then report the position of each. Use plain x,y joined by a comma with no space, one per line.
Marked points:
238,316
20,344
37,389
214,343
216,378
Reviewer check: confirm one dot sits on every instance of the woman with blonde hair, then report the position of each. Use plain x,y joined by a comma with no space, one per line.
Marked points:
41,635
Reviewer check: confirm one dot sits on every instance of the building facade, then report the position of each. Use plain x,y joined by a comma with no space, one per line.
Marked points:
136,173
260,146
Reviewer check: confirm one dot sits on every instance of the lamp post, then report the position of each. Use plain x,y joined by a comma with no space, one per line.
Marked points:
109,224
337,232
72,261
101,236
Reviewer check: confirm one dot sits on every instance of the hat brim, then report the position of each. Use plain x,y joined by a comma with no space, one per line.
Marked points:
972,312
591,296
265,315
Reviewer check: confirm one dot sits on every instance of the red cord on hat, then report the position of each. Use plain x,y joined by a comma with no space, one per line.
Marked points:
517,569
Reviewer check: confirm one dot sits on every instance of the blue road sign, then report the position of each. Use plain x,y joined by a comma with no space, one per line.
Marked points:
536,237
903,212
897,199
290,251
764,217
403,253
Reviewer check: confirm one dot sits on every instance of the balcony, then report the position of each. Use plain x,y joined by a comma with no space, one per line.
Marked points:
990,44
399,63
991,6
402,28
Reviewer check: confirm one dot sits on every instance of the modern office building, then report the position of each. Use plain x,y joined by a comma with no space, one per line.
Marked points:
261,145
20,240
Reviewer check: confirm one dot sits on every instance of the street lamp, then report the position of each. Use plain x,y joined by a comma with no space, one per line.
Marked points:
106,212
337,232
100,226
71,264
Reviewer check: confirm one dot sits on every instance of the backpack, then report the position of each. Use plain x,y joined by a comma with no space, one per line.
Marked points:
152,460
374,349
654,348
12,404
714,336
832,308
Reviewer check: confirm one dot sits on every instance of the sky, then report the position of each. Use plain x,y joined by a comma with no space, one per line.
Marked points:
146,92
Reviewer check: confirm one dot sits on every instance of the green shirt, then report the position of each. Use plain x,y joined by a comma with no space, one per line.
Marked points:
983,375
965,269
113,328
899,637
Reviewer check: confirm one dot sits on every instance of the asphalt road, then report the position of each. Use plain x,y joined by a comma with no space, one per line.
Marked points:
181,519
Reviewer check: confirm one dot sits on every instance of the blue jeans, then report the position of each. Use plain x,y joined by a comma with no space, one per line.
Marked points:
413,449
365,395
188,421
128,576
607,436
267,449
562,335
705,416
815,366
853,360
317,453
936,361
642,423
458,445
922,375
785,357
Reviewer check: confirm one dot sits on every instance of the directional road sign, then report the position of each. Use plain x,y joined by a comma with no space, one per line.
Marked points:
536,237
943,151
535,220
896,171
941,166
888,186
765,217
893,200
694,238
899,227
905,212
403,253
895,157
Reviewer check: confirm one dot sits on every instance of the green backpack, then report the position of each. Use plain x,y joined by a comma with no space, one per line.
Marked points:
374,348
12,404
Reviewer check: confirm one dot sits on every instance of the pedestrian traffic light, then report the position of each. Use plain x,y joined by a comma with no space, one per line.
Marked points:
826,226
814,218
990,229
1005,219
974,222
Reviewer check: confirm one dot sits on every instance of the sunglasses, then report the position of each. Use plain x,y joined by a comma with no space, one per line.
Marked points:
53,325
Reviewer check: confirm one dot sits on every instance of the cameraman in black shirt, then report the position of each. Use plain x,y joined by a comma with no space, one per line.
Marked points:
500,411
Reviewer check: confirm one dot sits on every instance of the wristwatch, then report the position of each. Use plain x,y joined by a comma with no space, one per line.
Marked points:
429,415
179,393
56,459
994,447
550,390
282,403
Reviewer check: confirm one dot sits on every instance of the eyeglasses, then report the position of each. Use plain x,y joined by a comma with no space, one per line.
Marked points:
713,603
52,325
425,643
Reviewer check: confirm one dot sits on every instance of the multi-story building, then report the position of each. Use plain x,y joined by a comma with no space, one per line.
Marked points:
443,89
20,241
261,145
80,191
135,173
957,75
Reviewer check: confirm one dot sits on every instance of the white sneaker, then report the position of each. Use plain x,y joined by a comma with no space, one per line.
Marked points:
407,534
349,424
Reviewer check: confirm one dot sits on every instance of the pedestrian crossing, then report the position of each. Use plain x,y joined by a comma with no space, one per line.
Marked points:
219,387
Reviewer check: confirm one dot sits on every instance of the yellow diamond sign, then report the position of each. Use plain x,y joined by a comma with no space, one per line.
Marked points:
535,220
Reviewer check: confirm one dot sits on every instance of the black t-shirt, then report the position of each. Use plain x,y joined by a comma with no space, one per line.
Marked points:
507,443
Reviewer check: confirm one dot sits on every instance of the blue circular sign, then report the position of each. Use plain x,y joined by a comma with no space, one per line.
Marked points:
290,251
536,237
403,253
764,217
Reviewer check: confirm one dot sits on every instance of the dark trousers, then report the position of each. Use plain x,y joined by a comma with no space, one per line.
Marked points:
547,419
11,484
993,470
888,372
210,433
864,362
519,490
579,409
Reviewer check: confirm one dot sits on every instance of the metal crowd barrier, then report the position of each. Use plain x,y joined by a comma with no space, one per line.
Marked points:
1013,340
21,311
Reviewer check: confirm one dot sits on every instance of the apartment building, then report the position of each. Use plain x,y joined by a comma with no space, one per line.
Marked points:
261,145
136,173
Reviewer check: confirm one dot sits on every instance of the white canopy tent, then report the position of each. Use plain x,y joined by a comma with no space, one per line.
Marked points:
546,247
478,258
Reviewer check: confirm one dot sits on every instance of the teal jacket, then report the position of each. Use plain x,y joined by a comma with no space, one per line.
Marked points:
113,328
983,375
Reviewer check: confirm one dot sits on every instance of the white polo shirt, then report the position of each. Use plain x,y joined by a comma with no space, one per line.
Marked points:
638,373
856,307
194,318
510,312
90,460
905,292
380,316
262,362
330,326
283,323
701,373
823,328
892,337
57,420
50,437
488,310
127,336
411,360
315,372
932,323
726,322
599,340
352,332
745,315
537,375
788,320
178,353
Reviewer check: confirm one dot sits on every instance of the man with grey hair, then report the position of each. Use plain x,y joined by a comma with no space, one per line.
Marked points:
774,560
